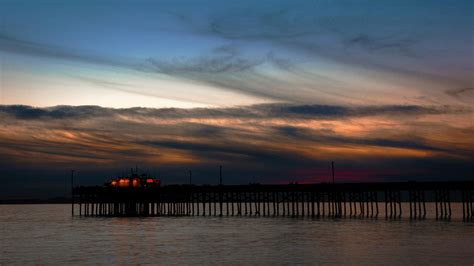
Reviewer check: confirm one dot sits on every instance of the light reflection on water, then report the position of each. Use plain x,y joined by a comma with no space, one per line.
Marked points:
47,234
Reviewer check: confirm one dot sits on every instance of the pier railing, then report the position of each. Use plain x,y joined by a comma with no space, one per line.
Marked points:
293,200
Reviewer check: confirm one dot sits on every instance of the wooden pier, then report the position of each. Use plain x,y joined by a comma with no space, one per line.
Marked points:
293,200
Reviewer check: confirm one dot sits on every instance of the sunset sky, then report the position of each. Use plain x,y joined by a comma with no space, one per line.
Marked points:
271,90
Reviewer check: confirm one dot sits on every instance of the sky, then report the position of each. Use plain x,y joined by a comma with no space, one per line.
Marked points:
271,90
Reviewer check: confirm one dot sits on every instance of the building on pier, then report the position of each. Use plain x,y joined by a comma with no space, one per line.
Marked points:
134,180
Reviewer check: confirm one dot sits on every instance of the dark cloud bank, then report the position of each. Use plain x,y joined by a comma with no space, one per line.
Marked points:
261,111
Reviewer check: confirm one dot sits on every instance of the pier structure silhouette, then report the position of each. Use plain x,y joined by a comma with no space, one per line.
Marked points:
335,200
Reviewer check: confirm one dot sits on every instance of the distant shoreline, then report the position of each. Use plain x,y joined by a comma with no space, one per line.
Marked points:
35,201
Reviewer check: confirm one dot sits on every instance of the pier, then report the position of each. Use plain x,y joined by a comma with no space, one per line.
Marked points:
292,200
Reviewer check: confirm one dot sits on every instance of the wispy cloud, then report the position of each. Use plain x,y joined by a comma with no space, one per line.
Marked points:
223,66
12,44
373,44
458,92
223,59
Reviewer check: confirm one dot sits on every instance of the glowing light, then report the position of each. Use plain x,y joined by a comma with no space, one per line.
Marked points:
136,182
124,182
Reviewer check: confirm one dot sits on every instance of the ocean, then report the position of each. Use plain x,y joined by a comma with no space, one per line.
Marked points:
47,234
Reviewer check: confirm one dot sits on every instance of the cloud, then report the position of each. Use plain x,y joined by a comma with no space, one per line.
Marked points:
293,25
329,137
17,45
249,131
228,67
223,59
58,112
396,43
458,92
350,40
260,111
269,24
224,66
232,151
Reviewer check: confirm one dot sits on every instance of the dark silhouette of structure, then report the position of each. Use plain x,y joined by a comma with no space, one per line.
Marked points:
332,168
294,200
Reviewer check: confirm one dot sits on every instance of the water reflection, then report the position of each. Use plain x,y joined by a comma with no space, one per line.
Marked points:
47,234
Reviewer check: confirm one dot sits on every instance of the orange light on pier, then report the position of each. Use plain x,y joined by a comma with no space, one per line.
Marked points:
124,182
136,182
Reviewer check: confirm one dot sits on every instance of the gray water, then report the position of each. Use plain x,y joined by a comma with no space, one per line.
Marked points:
47,234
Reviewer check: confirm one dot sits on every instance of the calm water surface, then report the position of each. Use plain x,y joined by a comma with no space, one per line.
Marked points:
47,234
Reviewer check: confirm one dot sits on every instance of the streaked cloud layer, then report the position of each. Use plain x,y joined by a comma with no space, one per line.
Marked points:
264,143
272,89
